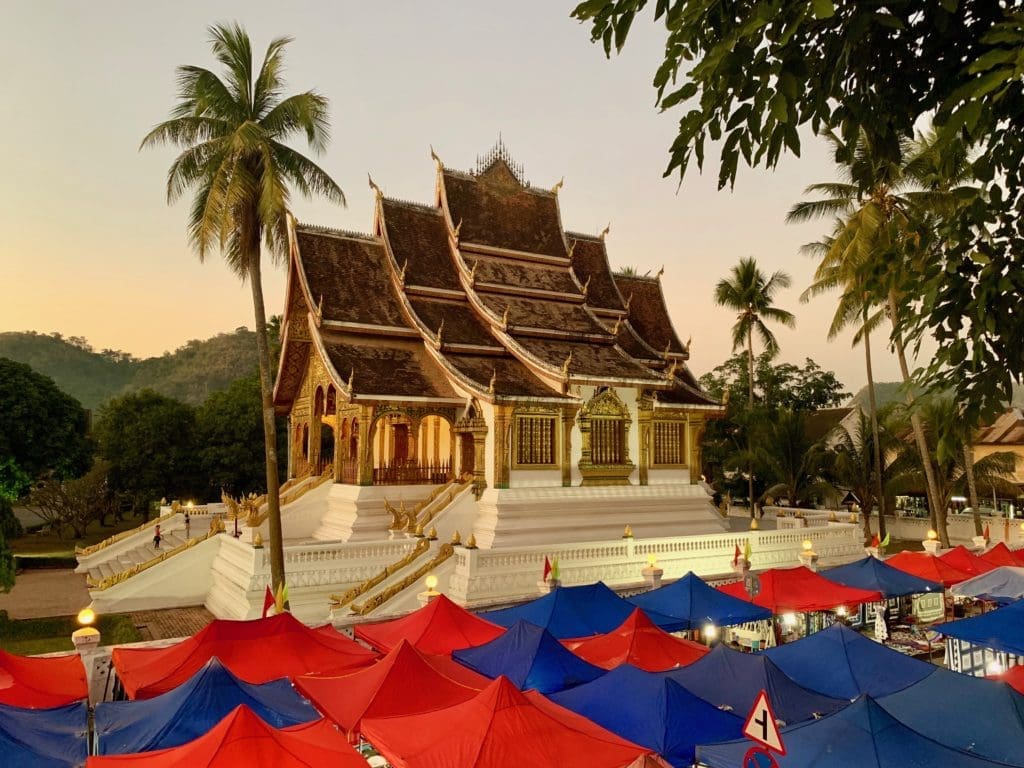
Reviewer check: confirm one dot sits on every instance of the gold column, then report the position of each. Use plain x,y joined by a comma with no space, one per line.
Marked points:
695,425
568,419
435,422
480,457
365,473
502,423
337,447
645,419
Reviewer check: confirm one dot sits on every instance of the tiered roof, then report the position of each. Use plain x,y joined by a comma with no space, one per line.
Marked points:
482,293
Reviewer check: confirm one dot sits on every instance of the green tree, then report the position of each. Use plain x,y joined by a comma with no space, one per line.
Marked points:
795,464
750,75
8,568
149,440
855,466
776,385
42,430
232,131
74,504
751,295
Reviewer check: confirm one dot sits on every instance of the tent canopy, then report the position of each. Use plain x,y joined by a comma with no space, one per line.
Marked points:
1001,554
874,574
193,708
44,738
801,590
639,642
1002,629
651,710
1013,677
530,657
976,715
844,664
863,735
568,612
37,683
961,558
928,567
440,627
1001,583
242,740
402,683
287,648
693,604
498,728
732,679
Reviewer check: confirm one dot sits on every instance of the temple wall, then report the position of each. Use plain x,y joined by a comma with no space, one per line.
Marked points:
535,478
487,411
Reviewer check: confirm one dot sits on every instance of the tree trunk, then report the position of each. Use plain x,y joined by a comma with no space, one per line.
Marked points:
875,435
750,419
938,516
972,487
277,575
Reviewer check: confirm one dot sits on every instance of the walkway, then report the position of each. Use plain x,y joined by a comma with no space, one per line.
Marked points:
41,593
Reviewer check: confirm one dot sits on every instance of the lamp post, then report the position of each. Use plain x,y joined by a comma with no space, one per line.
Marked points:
431,592
931,542
652,573
86,637
808,556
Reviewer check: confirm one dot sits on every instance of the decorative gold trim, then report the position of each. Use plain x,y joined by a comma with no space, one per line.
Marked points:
339,601
124,575
443,553
94,548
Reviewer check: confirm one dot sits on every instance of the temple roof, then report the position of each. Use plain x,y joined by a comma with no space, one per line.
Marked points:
592,361
648,313
511,378
418,236
1007,429
590,263
400,369
461,323
511,274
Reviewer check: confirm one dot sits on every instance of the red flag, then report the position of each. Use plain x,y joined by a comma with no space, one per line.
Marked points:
875,541
268,601
736,555
547,567
987,534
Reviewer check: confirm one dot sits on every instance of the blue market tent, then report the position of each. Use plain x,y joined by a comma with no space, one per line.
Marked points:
590,609
692,604
873,574
863,735
1002,629
985,717
652,711
728,678
44,738
530,657
842,663
193,708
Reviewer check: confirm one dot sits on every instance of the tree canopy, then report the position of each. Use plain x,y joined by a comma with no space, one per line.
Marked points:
776,385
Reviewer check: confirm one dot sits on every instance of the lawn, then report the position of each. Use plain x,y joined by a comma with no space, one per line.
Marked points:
47,544
27,637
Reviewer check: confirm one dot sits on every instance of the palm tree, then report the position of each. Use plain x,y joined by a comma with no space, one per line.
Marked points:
880,204
857,468
795,463
751,294
231,130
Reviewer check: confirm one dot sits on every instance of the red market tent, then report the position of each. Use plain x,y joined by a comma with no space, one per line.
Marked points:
1000,555
499,727
439,627
963,559
1014,677
801,590
256,651
637,641
928,567
41,683
402,683
242,740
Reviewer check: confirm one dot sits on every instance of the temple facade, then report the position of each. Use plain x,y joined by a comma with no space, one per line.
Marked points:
474,338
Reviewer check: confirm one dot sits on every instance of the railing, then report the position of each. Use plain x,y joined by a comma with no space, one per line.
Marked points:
349,471
293,494
126,574
339,601
94,548
443,553
403,519
413,473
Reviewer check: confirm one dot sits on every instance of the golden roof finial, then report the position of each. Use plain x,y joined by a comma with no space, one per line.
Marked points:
377,190
471,541
351,379
435,158
401,274
660,272
494,379
586,286
565,365
558,186
629,300
572,247
440,330
456,538
618,326
455,232
606,230
689,341
668,349
320,307
472,272
504,318
672,369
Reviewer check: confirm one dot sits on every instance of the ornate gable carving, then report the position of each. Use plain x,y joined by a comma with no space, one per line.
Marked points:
605,403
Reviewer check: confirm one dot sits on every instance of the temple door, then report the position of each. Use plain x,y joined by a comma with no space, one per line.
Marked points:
401,437
468,458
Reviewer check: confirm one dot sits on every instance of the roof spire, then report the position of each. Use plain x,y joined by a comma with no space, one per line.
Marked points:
558,186
351,379
660,272
458,228
565,365
374,187
504,319
440,330
435,158
606,230
494,378
618,325
586,286
499,153
401,275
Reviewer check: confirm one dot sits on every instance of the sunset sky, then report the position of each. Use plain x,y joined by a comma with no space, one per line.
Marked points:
90,248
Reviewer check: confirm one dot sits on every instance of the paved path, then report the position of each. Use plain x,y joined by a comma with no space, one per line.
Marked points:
46,592
171,622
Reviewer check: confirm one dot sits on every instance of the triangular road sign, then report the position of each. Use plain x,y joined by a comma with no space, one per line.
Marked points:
761,726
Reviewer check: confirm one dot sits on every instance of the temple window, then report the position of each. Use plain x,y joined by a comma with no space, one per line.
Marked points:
535,441
669,442
608,440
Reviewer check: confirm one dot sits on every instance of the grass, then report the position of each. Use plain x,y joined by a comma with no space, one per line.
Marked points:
26,637
47,544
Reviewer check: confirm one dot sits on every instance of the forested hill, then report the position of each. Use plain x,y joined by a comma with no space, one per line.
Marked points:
891,391
190,373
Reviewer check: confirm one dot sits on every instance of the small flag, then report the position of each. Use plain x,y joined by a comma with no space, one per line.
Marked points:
547,567
746,551
268,601
736,555
555,573
987,534
885,541
875,541
281,598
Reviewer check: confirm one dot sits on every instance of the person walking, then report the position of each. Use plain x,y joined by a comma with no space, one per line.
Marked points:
188,527
157,537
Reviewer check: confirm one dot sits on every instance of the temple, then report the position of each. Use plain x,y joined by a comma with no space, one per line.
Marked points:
475,338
